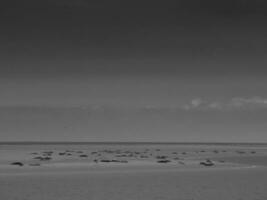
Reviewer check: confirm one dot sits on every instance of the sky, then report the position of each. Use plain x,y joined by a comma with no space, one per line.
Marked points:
113,70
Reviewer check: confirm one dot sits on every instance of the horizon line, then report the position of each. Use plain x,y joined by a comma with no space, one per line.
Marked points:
128,142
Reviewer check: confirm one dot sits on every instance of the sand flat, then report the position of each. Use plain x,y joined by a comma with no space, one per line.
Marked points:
238,172
243,184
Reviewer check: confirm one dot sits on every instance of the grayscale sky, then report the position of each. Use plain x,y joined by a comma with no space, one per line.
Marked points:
113,70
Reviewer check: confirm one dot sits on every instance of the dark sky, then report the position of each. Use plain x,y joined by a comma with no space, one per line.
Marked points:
203,58
63,37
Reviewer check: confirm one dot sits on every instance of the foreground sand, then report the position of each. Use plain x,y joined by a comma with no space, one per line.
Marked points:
245,184
237,173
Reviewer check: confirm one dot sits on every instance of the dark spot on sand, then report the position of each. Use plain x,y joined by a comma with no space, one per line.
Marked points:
120,161
17,164
117,161
42,158
207,163
163,161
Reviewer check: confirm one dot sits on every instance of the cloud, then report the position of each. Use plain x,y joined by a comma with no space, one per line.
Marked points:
197,102
215,105
234,103
194,104
258,101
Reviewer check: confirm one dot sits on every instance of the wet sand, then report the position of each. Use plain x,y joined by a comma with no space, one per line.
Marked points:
133,172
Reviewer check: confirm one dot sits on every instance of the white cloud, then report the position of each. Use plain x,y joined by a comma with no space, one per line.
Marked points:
230,104
194,104
197,102
258,101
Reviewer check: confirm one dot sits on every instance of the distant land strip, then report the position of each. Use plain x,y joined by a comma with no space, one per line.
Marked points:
130,143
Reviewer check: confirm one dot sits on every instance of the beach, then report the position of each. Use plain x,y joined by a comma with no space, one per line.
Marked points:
133,171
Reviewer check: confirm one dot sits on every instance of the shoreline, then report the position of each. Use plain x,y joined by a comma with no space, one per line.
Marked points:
121,170
74,157
134,167
132,143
